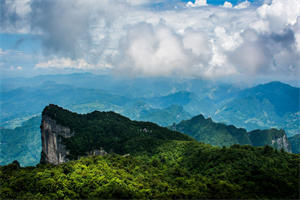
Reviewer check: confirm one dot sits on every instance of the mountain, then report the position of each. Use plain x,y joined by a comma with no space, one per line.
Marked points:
67,135
207,131
175,169
22,143
103,92
272,137
274,104
188,100
29,101
295,143
164,117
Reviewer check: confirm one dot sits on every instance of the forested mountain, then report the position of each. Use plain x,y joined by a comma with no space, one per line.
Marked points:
207,131
295,143
100,130
177,169
22,143
274,104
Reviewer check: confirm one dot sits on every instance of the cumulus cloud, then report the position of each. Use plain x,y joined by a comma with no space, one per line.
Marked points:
197,3
153,50
227,4
242,5
129,38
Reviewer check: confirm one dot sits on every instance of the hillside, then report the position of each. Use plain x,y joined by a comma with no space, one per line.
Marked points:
295,143
207,131
177,170
22,143
83,133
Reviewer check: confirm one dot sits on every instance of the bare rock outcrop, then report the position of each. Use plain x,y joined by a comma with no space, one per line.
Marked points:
53,150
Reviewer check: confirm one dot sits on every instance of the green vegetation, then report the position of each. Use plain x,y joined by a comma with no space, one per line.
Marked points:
207,131
162,164
22,143
177,170
110,131
295,143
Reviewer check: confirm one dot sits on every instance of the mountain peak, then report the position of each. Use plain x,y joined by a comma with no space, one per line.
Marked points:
67,135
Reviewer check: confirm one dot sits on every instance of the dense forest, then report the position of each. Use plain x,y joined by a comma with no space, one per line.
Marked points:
177,169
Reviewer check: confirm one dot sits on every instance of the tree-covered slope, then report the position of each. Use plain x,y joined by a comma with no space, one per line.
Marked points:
110,131
176,170
295,143
22,143
207,131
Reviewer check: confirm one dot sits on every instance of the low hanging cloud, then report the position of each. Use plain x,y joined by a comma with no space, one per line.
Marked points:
193,40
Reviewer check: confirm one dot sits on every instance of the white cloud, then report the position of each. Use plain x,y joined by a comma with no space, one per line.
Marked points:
65,63
297,34
279,14
243,5
197,3
227,4
152,50
206,41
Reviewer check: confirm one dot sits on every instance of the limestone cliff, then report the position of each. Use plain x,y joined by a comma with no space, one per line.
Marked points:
281,143
53,151
272,137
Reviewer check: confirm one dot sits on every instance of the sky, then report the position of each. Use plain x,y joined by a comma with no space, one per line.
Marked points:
212,39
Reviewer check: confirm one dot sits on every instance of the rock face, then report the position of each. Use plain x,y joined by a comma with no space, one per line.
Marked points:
53,151
282,143
272,137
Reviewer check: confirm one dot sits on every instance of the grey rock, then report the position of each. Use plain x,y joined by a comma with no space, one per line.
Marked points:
53,151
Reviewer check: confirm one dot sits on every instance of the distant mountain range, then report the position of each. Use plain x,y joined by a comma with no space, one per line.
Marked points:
271,105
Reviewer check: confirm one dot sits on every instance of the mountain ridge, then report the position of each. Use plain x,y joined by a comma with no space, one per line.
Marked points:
210,132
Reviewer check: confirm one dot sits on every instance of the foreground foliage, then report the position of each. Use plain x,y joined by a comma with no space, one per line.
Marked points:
177,169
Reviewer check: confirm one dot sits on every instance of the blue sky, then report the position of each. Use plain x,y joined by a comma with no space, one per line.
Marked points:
250,39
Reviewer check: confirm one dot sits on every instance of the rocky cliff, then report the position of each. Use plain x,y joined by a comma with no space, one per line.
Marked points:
272,137
281,143
53,151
